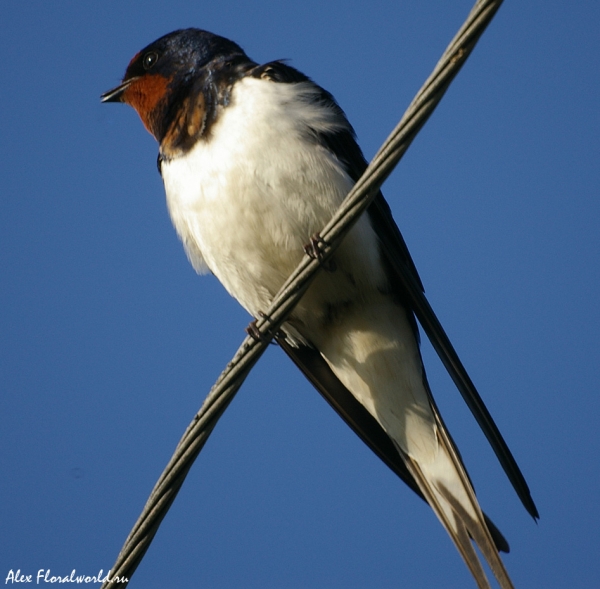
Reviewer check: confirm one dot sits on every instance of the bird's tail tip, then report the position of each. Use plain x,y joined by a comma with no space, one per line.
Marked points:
448,491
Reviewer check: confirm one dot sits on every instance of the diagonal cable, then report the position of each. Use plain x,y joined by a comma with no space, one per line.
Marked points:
230,380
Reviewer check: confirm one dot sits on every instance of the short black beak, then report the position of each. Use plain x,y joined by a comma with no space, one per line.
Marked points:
116,94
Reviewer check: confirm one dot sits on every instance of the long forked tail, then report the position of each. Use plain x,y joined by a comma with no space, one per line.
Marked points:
447,488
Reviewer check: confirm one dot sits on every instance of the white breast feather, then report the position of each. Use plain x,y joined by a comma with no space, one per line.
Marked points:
247,200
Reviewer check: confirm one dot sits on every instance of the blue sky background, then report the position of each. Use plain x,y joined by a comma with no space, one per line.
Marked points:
109,341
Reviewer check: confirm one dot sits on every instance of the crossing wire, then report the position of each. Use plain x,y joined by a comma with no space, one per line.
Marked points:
231,379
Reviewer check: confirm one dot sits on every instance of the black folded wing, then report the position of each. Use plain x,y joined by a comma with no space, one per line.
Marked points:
408,290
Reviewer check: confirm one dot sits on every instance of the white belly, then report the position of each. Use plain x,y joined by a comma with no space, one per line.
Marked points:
246,200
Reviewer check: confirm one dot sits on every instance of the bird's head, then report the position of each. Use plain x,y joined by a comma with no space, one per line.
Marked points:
162,78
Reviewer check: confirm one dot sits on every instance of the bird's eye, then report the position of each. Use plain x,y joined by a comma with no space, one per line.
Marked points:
149,60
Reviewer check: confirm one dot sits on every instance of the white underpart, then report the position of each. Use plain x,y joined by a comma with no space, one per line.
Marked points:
246,201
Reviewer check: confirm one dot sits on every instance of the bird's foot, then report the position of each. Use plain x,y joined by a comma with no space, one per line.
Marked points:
314,249
255,333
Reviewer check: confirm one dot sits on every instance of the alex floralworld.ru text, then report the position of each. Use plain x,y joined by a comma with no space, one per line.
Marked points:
45,576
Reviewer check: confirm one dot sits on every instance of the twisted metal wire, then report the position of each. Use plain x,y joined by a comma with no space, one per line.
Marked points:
230,380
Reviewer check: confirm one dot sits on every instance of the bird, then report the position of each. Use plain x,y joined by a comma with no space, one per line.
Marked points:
255,160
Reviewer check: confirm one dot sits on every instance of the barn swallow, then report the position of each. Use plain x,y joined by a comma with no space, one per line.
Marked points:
255,160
